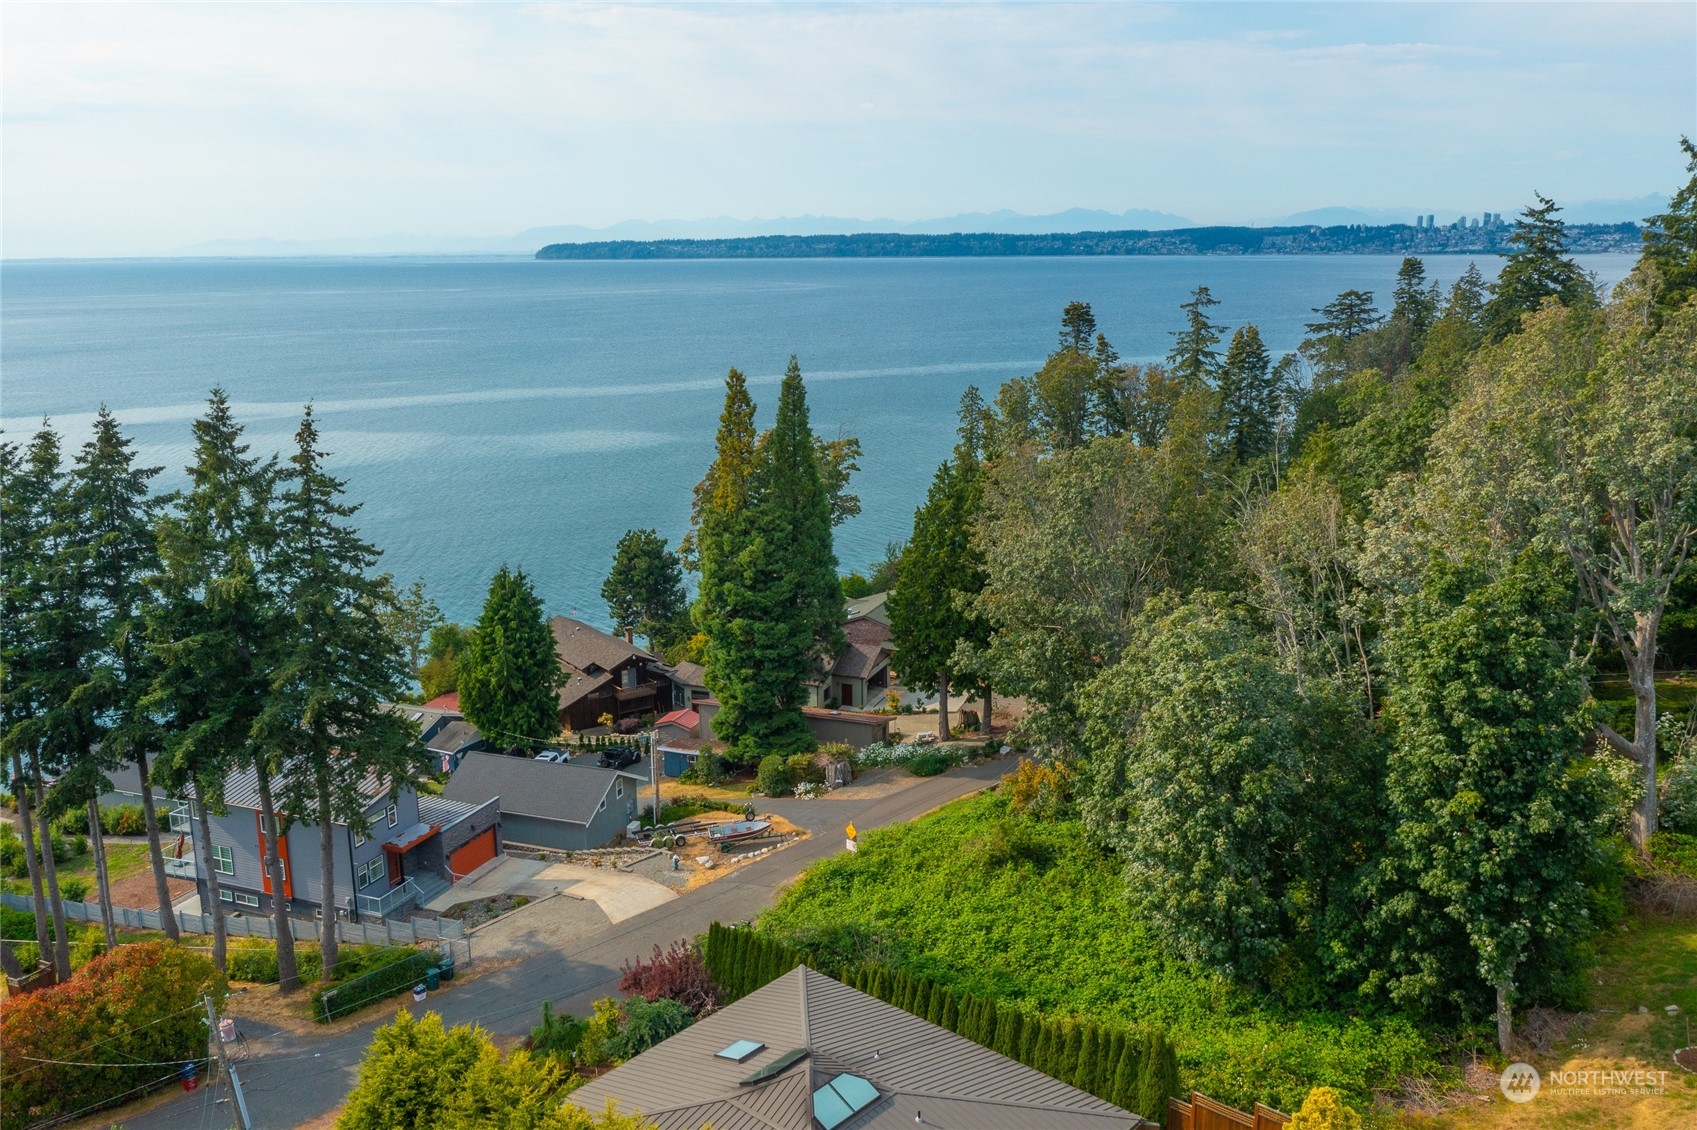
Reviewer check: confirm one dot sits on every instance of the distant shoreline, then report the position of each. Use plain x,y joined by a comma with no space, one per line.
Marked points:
1390,239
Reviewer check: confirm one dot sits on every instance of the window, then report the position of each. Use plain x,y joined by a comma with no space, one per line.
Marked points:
603,807
246,899
359,839
368,873
739,1051
620,785
223,860
225,894
394,815
842,1098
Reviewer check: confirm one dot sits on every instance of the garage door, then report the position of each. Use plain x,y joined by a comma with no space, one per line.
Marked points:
470,856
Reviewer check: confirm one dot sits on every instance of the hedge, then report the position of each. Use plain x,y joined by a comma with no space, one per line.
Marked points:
122,1025
343,997
1132,1067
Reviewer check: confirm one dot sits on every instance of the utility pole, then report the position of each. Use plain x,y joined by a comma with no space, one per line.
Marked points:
244,1122
654,775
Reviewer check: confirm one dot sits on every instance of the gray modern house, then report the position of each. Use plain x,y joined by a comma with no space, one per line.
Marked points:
571,806
416,848
809,1053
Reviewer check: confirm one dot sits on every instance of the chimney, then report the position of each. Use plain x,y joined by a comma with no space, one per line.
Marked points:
630,637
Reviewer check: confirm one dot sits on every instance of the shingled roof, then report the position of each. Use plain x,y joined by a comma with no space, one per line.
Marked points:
917,1068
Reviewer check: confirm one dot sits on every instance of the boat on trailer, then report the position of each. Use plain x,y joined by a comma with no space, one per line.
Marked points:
727,834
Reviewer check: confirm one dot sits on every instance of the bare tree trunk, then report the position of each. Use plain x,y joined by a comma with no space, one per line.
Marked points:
50,870
1641,672
214,904
156,852
984,724
102,883
1505,1016
943,707
288,973
32,861
326,879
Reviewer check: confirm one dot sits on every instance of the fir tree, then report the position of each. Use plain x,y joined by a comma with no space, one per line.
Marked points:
337,665
1248,396
1538,268
1670,240
1414,302
510,673
950,1017
1072,1040
1158,1080
1128,1071
1466,299
1007,1034
1193,361
644,590
1084,1073
211,633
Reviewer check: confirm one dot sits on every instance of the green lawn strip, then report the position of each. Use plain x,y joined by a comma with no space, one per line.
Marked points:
1040,921
1651,964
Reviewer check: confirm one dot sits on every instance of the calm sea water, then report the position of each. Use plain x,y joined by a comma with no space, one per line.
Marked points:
510,411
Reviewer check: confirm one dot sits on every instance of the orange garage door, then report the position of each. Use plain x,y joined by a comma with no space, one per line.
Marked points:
470,856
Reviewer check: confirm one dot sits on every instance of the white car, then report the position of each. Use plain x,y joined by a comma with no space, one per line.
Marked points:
558,756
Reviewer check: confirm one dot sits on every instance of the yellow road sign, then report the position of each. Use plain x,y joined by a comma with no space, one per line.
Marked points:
851,832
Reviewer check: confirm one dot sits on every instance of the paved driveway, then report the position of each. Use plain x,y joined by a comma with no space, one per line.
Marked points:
290,1080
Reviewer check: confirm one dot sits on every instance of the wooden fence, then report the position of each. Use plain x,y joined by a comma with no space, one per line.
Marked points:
1203,1113
385,932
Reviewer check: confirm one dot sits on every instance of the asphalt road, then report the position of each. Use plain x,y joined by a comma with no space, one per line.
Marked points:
291,1079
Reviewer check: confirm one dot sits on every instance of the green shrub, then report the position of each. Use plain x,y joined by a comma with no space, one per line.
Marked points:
804,769
930,764
773,777
74,888
646,1023
1677,796
558,1035
1674,852
600,1032
356,986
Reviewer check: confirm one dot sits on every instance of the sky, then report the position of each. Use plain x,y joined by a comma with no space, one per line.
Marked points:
133,129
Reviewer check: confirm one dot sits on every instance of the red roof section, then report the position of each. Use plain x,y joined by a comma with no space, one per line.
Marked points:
449,701
687,718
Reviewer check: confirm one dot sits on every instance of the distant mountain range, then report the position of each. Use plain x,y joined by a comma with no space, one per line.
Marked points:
1002,222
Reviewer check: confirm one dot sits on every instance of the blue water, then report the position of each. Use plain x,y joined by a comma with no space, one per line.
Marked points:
511,411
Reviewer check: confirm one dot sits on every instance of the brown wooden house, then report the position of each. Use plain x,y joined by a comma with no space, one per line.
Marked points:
607,675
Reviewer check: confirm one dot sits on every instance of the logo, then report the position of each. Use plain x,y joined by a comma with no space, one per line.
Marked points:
1520,1083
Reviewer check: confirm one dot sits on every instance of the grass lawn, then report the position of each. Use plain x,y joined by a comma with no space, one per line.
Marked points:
1026,912
1647,965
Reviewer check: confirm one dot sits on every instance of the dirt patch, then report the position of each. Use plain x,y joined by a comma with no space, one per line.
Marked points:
721,863
137,892
478,911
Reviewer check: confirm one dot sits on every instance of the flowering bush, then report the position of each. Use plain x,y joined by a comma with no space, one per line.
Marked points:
807,790
125,1012
879,754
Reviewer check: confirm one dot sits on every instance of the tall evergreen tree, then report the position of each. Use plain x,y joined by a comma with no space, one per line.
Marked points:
211,634
510,673
644,590
1537,268
1194,362
1670,240
337,663
1343,321
34,513
1248,396
771,606
1467,295
117,512
1414,303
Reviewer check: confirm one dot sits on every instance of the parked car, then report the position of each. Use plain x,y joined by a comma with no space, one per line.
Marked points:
558,756
620,756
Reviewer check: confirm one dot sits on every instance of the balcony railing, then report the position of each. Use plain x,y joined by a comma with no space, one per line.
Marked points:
381,906
183,868
181,821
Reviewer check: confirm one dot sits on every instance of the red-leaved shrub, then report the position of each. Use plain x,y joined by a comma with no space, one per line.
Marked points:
677,974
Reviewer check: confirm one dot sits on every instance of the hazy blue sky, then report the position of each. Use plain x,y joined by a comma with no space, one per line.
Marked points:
135,128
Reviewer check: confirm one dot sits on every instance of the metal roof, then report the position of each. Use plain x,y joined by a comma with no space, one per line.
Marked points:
571,792
917,1067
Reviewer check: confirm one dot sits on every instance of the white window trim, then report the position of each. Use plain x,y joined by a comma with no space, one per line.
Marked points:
225,894
620,785
246,899
394,815
223,859
359,839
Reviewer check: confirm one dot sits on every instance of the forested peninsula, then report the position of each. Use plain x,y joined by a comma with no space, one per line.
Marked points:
1353,239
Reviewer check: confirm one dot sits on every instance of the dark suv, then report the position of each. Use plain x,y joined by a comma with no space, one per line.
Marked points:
620,756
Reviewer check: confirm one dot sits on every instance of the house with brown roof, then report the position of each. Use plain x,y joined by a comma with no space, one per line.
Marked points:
607,675
858,677
809,1053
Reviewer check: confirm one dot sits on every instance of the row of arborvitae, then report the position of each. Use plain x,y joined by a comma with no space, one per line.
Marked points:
1133,1068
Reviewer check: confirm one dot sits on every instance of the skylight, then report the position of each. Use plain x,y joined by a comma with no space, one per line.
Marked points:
777,1067
841,1099
739,1051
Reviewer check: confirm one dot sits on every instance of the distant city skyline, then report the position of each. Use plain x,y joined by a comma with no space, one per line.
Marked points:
140,129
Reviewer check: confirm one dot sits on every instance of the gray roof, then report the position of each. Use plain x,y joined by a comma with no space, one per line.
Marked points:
582,646
456,737
442,812
571,792
689,674
241,788
916,1066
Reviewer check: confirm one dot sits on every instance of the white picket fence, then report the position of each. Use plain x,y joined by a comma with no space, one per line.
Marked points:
261,926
